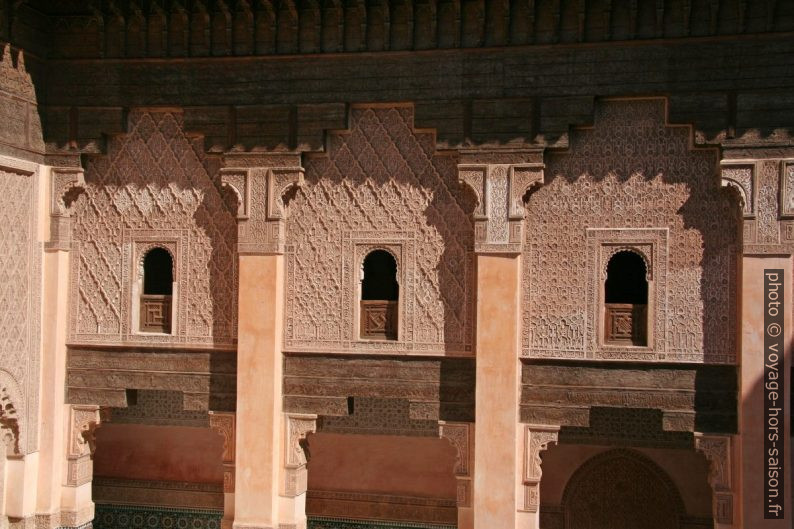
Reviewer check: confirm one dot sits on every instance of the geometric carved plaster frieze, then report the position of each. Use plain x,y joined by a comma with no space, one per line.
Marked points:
298,426
224,424
65,184
717,450
461,436
260,191
499,214
536,439
83,422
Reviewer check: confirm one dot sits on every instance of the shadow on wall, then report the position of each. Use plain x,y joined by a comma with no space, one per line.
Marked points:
633,170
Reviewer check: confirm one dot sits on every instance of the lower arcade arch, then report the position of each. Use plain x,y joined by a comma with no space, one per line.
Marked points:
363,469
621,489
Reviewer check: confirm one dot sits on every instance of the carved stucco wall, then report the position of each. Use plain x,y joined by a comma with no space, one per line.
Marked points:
155,186
638,177
20,308
380,185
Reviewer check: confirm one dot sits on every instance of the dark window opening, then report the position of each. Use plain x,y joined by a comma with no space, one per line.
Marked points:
380,277
626,281
626,300
158,279
157,272
379,295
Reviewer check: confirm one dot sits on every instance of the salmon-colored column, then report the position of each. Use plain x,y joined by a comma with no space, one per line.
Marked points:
496,435
54,412
259,368
753,503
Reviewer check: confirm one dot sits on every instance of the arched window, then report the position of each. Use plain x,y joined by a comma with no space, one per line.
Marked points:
626,300
380,293
158,280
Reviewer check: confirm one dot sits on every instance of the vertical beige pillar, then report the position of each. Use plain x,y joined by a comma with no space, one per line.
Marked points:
499,186
54,411
259,183
259,368
752,416
496,444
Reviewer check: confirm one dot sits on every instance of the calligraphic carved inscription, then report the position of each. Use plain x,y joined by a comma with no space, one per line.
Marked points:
154,183
632,171
20,291
380,183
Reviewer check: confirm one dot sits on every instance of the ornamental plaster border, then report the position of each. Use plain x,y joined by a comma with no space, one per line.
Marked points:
652,245
136,244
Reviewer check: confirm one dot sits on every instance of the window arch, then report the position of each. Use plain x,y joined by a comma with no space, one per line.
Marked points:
156,295
380,293
158,272
626,299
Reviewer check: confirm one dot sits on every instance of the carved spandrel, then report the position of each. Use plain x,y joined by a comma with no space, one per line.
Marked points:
499,214
298,426
66,183
83,422
537,438
741,176
461,436
9,421
225,424
717,450
260,193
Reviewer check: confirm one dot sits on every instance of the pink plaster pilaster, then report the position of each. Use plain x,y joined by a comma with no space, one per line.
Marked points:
752,392
259,366
496,450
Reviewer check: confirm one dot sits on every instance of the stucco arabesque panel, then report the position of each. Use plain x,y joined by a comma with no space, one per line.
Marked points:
380,183
631,170
20,299
155,183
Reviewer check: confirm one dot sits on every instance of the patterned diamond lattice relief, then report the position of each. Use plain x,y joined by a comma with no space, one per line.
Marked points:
154,182
380,183
632,170
20,278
